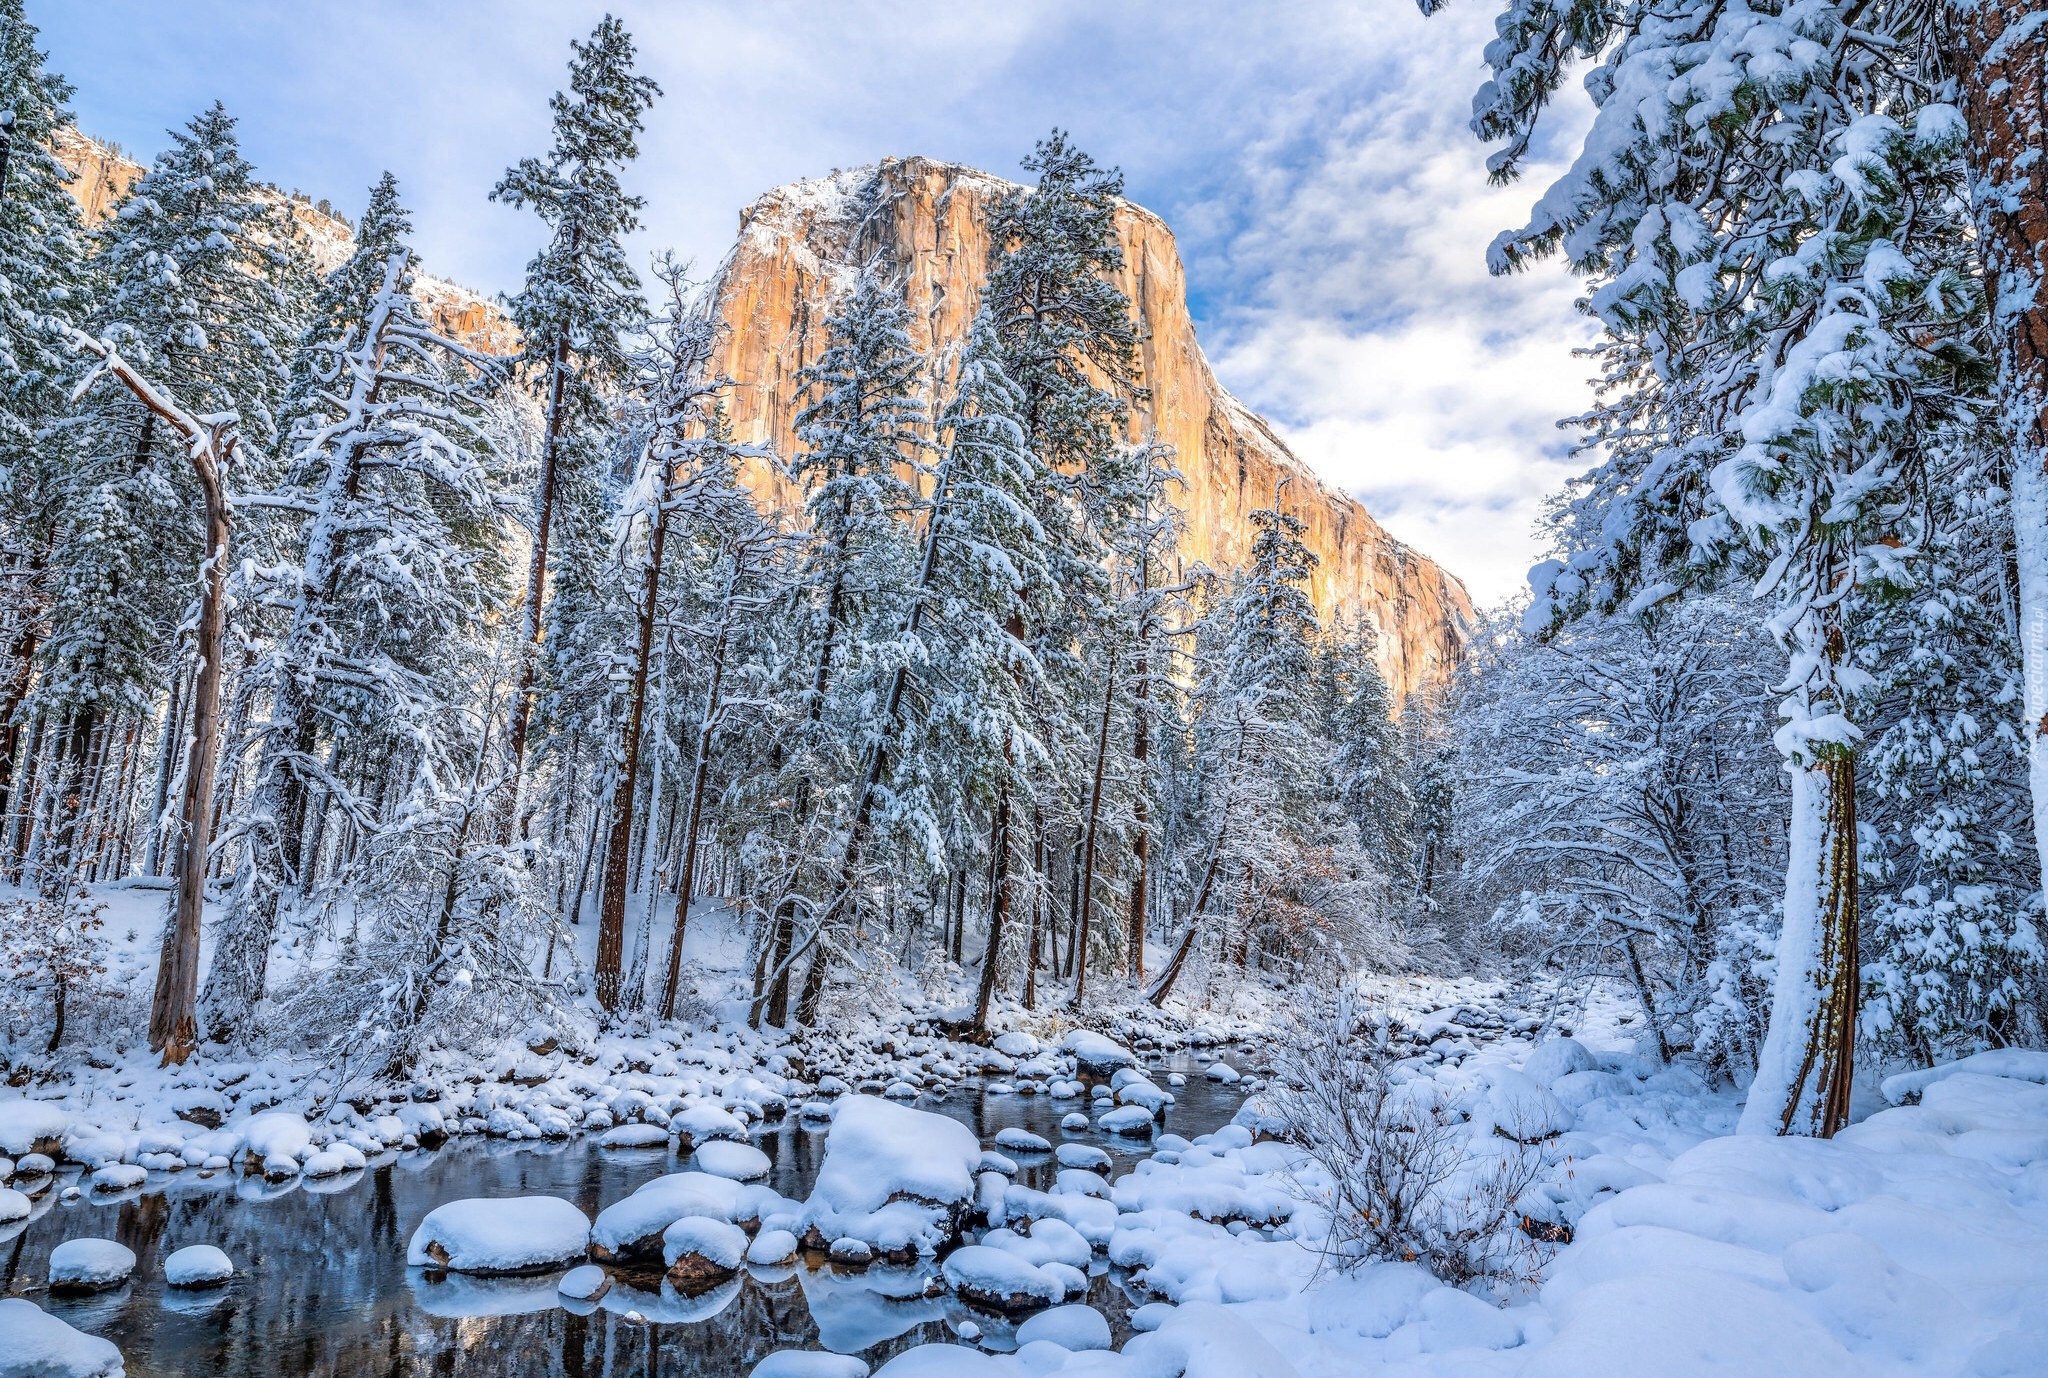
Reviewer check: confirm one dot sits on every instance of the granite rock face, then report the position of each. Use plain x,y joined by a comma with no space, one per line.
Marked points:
799,247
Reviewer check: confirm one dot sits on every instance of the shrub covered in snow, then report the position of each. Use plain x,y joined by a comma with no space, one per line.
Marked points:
1402,1174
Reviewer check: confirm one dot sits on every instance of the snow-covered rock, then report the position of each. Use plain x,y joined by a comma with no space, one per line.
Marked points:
998,1278
198,1265
2018,1064
771,1248
632,1135
1223,1072
118,1177
36,1344
1517,1108
1074,1123
1557,1057
809,1363
1069,1327
29,1126
1132,1121
1022,1141
277,1142
897,1178
89,1265
499,1236
1142,1092
700,1124
700,1252
629,1231
1085,1156
1096,1054
14,1205
1016,1044
740,1161
585,1282
333,1160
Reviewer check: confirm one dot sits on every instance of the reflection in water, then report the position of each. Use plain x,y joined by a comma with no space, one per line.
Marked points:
323,1290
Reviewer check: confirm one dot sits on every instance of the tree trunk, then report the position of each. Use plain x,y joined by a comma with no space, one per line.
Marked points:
74,771
698,776
171,1026
22,656
998,902
1999,57
1804,1072
210,446
1142,847
536,588
611,918
1031,948
21,810
1088,846
1187,940
1808,1058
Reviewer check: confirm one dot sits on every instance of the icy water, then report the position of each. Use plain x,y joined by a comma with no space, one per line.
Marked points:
324,1290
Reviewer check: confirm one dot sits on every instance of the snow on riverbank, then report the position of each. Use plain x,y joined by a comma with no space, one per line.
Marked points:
1909,1245
288,1114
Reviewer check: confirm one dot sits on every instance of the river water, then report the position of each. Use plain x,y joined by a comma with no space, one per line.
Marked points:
323,1288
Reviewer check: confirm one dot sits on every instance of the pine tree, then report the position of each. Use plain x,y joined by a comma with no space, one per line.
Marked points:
954,728
46,290
1068,344
1770,205
392,477
202,298
862,428
580,297
1254,712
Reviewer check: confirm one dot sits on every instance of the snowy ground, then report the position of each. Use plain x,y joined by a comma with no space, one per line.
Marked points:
1911,1244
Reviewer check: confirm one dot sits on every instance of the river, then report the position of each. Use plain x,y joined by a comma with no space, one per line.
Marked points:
322,1287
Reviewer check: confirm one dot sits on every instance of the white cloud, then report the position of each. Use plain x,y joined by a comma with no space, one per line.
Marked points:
1311,157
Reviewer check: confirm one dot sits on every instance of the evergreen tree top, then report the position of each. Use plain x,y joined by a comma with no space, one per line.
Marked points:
1054,304
45,283
580,289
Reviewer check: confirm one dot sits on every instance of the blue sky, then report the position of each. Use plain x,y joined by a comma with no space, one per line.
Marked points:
1311,157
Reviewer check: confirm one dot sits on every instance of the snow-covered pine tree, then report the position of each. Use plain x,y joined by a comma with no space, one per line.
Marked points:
682,392
863,430
1069,345
46,289
395,518
1770,204
1952,958
954,727
1254,713
579,298
1368,775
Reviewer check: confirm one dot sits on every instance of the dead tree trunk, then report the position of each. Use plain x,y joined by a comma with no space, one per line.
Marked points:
210,446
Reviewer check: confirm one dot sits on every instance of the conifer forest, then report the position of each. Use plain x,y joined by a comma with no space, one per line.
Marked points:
848,809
